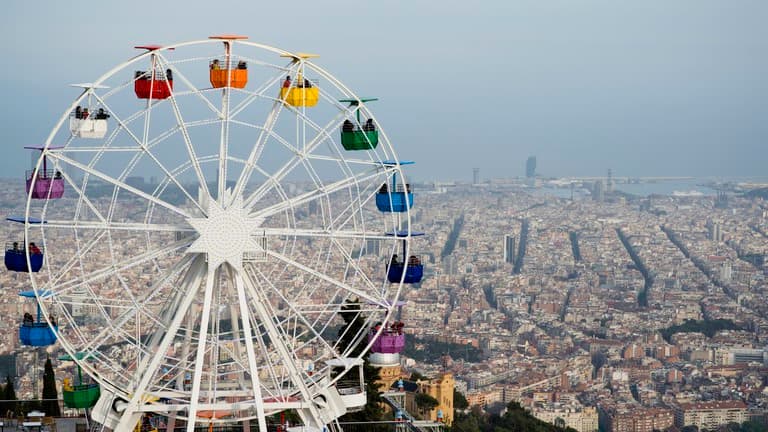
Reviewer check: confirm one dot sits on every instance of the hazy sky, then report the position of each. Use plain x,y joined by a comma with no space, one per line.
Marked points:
651,87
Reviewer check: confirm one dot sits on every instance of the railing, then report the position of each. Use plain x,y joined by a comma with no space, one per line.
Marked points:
159,75
257,256
273,427
19,248
43,174
93,115
221,64
408,418
368,126
349,387
398,188
305,83
412,261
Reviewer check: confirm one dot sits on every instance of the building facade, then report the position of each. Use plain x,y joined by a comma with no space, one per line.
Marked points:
710,415
440,388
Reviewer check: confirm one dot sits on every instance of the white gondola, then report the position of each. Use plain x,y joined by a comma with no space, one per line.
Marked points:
91,126
351,387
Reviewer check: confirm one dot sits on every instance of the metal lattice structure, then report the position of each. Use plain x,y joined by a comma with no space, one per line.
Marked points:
211,229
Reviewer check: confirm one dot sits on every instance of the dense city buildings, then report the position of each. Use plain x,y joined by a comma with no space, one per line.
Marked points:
634,314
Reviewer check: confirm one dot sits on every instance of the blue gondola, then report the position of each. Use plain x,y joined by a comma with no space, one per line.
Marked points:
15,254
36,332
394,198
413,273
411,269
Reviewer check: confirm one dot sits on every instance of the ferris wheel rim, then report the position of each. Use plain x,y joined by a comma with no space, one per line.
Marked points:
108,226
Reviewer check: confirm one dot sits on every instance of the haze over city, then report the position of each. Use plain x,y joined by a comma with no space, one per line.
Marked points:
652,88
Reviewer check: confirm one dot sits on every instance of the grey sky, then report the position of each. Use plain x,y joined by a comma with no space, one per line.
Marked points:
652,87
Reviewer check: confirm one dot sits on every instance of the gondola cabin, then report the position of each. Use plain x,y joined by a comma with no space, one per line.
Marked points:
351,386
362,135
85,122
87,127
299,91
81,396
390,341
395,197
42,182
16,251
16,257
154,83
76,393
409,270
228,74
414,271
35,331
305,95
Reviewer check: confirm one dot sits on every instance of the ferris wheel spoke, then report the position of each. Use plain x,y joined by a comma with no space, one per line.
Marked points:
179,75
202,345
118,226
259,92
267,353
310,326
288,167
149,295
278,342
321,276
82,198
120,184
323,233
65,268
250,351
352,209
258,148
131,262
144,148
348,161
194,278
312,195
187,139
352,263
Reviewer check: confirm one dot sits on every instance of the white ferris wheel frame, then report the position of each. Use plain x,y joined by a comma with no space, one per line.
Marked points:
194,266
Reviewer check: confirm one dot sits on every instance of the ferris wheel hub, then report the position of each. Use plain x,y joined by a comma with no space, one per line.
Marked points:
225,234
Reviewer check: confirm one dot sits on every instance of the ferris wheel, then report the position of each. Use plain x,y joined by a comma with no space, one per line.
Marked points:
213,214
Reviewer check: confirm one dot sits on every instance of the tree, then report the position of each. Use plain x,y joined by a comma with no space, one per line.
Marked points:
459,401
559,422
426,403
9,398
50,395
354,322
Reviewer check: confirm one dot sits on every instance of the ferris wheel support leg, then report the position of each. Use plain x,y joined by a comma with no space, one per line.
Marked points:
193,278
197,378
248,335
278,341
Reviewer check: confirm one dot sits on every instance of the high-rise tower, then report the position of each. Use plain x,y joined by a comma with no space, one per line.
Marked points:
530,167
609,184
